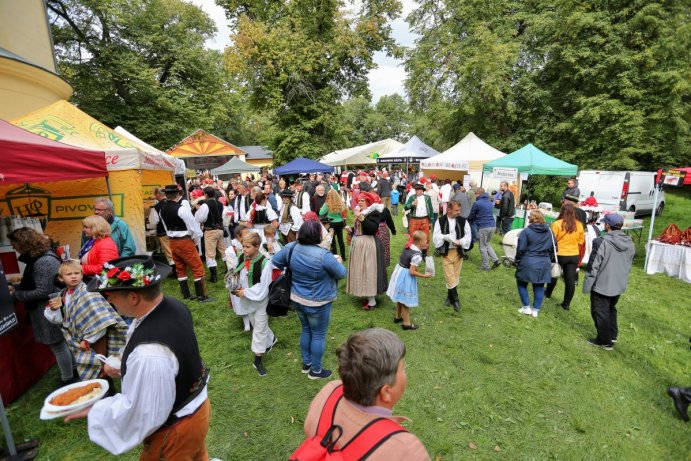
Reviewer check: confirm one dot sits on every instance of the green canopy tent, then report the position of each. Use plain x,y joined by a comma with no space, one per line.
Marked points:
531,160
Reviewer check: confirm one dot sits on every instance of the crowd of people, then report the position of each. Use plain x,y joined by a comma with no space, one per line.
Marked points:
110,301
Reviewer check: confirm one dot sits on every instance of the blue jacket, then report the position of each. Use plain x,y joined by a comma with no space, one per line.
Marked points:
315,271
481,212
535,254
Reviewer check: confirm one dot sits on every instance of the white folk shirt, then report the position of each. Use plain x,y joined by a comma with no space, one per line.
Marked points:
122,422
295,215
445,193
452,237
421,209
305,201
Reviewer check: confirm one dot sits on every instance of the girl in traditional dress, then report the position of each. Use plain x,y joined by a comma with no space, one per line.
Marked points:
260,215
403,286
366,270
89,324
255,272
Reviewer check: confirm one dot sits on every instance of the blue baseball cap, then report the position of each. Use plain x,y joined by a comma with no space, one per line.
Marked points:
614,220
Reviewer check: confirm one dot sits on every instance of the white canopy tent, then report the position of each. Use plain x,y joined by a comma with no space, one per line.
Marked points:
411,152
468,155
365,154
150,156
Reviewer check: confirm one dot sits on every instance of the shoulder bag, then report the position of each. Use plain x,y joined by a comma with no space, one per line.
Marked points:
556,268
279,291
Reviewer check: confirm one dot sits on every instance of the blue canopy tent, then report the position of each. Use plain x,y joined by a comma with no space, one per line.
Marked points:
303,165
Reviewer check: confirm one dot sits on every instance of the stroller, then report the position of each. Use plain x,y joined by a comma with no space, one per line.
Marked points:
509,244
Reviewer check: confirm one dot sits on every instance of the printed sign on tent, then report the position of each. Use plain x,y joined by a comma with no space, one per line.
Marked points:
505,174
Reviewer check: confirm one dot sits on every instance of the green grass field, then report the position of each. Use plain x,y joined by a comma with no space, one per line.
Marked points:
487,383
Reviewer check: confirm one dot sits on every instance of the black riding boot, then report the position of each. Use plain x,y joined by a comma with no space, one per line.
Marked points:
449,297
682,399
173,274
199,291
214,274
184,289
456,302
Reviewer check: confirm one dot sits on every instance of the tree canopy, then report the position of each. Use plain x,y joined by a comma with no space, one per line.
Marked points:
603,85
142,64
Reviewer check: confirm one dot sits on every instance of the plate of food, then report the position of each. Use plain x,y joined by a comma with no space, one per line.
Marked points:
73,397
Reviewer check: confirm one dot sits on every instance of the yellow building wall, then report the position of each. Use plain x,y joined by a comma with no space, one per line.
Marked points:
24,31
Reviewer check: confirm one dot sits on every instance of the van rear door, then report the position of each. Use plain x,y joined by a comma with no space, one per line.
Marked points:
607,185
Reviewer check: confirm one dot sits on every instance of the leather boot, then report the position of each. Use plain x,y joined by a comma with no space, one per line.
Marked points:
682,399
184,289
173,274
456,302
199,291
214,274
449,298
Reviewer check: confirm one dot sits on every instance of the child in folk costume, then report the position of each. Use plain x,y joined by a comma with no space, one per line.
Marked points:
270,245
403,286
260,214
89,324
231,257
255,273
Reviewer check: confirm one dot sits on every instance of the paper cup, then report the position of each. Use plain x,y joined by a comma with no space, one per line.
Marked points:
114,362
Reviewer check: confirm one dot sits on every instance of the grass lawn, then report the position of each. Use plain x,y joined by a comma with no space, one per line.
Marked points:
487,383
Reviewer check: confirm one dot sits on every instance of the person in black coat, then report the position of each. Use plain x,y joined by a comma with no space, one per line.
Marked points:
535,254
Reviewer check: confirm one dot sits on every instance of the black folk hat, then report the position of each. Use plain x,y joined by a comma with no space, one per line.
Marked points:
172,188
129,273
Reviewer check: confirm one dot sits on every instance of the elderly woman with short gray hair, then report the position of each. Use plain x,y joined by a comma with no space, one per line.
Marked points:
373,376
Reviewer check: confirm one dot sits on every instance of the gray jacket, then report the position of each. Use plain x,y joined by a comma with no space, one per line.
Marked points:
611,265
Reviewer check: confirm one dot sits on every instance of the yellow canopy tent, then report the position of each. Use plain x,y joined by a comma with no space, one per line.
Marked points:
132,172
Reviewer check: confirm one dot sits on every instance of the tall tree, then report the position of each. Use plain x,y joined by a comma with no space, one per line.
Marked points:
603,85
142,64
301,58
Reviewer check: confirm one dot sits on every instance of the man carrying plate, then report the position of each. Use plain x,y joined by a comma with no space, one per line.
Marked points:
164,401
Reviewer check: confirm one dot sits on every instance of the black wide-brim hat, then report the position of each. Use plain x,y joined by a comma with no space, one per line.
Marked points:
172,188
287,193
419,186
129,273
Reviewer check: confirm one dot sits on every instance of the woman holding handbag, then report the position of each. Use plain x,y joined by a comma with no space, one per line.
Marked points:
535,253
315,272
570,236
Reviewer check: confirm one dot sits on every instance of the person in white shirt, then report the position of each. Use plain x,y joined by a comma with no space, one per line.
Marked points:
183,232
302,198
210,215
290,218
445,195
451,237
163,403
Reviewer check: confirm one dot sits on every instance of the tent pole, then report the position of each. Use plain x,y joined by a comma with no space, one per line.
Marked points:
650,232
110,195
482,178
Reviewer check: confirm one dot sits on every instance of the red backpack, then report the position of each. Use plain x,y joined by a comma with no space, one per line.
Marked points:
322,446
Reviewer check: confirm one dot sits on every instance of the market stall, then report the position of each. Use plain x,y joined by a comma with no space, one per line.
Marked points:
302,165
467,156
527,161
232,167
412,152
24,361
127,164
365,154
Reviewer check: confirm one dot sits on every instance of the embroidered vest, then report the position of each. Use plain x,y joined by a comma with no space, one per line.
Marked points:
407,257
255,273
169,215
444,226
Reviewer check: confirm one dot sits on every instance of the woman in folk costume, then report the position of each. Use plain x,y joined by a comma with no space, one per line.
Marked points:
366,270
255,272
260,215
383,234
89,324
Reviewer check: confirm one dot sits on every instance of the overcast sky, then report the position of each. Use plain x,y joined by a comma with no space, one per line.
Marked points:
387,78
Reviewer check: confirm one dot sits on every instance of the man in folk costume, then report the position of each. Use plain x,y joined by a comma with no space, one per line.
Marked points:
451,237
163,403
290,218
183,231
156,223
210,216
421,211
244,202
302,198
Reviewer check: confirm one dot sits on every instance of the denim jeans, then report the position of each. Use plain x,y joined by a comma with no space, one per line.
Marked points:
538,294
506,224
315,322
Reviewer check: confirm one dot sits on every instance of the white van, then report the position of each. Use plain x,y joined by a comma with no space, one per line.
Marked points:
622,190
